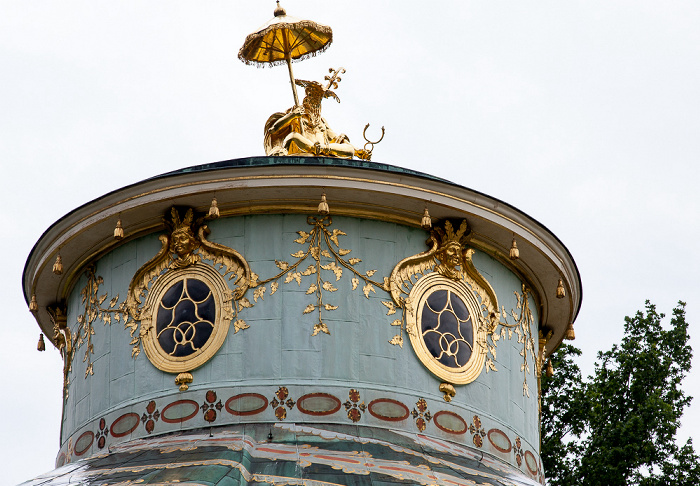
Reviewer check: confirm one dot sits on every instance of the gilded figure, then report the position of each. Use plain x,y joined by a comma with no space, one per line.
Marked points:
301,130
183,242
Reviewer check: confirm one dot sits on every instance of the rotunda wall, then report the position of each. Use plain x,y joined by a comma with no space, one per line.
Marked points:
272,368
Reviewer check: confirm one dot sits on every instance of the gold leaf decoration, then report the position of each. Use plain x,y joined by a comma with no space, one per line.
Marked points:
320,327
490,366
343,252
329,286
329,307
281,264
239,325
309,308
355,282
298,254
326,253
354,261
303,237
397,322
312,288
244,303
101,299
390,306
309,270
397,340
371,272
259,293
367,289
273,287
334,236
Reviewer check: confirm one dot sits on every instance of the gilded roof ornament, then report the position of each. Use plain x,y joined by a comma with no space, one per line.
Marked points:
300,130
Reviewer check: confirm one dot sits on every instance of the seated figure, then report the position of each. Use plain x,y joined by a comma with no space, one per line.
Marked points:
302,131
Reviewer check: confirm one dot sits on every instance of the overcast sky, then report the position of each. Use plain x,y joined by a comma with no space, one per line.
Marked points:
584,115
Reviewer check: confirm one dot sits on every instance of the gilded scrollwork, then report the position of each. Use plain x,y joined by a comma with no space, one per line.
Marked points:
183,248
448,257
63,340
323,246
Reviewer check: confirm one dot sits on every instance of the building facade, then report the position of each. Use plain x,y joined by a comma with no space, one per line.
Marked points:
300,320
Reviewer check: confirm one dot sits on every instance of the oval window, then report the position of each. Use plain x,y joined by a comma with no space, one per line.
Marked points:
188,319
446,328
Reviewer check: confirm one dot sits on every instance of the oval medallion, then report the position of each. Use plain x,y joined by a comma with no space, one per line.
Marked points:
124,425
499,440
450,422
318,404
246,404
83,443
388,409
179,411
531,463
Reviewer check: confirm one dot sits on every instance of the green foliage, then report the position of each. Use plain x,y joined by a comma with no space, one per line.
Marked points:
562,417
618,427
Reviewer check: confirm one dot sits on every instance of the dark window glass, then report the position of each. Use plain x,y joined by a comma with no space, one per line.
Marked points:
446,328
185,319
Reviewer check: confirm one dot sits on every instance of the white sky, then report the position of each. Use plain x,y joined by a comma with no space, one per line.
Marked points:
585,115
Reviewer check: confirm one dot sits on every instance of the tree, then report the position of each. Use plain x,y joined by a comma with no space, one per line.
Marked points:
619,426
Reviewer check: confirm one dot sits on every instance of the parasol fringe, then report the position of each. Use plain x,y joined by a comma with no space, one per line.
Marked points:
290,26
283,62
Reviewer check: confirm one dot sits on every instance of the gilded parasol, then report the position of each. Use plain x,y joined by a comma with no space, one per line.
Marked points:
285,39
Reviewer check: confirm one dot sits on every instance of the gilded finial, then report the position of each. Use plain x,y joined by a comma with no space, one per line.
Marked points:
58,265
514,252
323,208
561,293
41,345
33,304
214,209
570,334
118,230
279,11
426,223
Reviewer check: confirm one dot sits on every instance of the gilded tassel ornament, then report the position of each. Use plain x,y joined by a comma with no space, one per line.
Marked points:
323,206
118,230
426,223
214,209
550,369
41,346
561,293
514,252
58,265
33,304
570,334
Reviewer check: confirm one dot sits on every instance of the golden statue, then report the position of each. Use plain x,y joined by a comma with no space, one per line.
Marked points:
302,130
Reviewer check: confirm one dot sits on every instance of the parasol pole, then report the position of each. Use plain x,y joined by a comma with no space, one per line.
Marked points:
291,79
288,57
